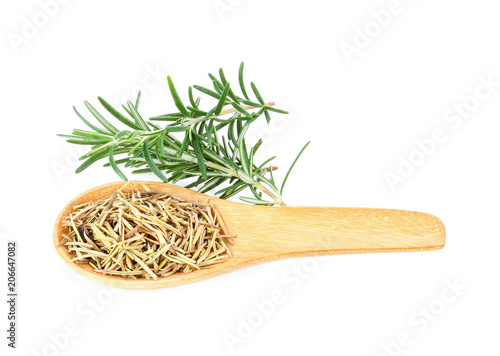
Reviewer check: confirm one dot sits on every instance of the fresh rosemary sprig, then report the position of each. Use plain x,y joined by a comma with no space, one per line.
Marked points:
212,149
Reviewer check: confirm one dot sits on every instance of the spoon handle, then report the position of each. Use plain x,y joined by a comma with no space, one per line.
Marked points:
314,231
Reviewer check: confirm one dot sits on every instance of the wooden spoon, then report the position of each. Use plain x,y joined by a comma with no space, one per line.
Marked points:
273,233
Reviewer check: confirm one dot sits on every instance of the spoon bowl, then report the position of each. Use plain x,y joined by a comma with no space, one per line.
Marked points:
267,234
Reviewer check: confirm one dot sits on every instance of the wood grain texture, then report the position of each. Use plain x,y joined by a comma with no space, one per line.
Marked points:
274,233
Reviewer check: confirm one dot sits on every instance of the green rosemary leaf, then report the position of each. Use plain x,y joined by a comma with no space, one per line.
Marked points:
214,157
137,116
224,146
260,112
255,193
195,183
242,83
245,162
149,134
196,111
273,182
81,141
177,177
239,127
251,103
118,115
184,145
230,163
231,187
181,167
167,117
291,167
268,117
172,142
242,147
217,90
199,155
196,173
224,82
137,146
138,100
207,91
136,164
230,132
257,145
223,124
90,161
235,152
160,148
127,110
222,100
177,99
270,108
119,161
249,120
153,126
210,112
215,137
257,94
199,136
91,134
174,128
100,118
176,114
261,178
250,160
211,183
217,85
241,110
142,170
152,165
114,165
222,77
96,129
202,126
71,137
191,98
233,192
265,163
210,132
96,151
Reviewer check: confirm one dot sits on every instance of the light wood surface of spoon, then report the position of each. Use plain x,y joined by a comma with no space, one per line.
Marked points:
273,233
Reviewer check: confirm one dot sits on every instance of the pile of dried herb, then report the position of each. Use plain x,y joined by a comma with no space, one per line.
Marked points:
146,234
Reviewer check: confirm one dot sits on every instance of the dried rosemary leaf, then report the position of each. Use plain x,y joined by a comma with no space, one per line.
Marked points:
146,234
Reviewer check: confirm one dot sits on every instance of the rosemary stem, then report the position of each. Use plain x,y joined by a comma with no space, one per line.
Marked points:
270,194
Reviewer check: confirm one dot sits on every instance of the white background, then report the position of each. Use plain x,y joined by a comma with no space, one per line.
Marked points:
363,113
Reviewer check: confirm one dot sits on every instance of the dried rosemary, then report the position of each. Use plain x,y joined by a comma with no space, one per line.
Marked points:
146,233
